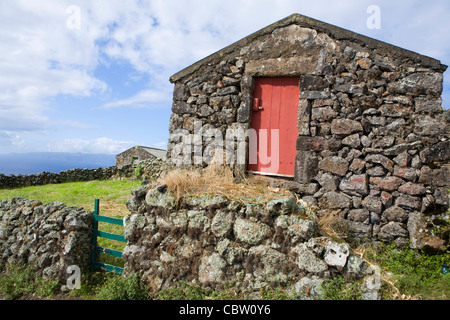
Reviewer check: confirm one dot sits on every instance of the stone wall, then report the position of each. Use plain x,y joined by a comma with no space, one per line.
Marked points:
151,169
374,141
213,241
49,237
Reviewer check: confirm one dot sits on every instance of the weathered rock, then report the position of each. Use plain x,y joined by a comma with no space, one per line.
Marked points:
222,223
304,115
380,159
359,215
357,166
181,107
356,267
336,254
335,165
372,204
352,141
206,200
409,202
405,173
305,143
389,183
403,159
438,152
307,260
356,184
131,223
205,111
163,198
309,288
272,261
301,229
281,206
376,171
211,268
428,105
198,220
250,232
384,142
427,126
412,189
322,114
306,166
420,239
345,127
328,181
359,228
392,230
232,252
335,200
396,214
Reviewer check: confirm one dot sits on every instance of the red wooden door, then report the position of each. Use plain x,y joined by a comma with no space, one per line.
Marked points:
275,112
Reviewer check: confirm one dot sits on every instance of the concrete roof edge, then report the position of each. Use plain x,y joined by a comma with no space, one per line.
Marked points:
336,32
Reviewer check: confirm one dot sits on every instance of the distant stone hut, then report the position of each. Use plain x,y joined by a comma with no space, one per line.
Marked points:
139,153
356,123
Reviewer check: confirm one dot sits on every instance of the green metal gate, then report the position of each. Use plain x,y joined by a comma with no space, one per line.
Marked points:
96,249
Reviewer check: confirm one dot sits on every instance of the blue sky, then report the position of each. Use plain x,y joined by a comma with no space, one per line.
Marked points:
92,76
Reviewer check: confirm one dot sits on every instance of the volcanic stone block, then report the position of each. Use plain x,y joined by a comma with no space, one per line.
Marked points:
335,165
306,166
356,184
345,126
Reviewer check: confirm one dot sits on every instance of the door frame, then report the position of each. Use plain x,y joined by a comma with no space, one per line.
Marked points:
247,90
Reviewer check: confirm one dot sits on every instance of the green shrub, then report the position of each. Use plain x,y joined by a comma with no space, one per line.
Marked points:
116,287
183,291
338,289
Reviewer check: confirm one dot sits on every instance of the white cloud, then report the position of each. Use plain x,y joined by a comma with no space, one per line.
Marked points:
143,99
99,145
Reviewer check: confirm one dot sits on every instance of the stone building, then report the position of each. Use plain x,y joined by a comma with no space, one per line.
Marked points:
139,153
356,123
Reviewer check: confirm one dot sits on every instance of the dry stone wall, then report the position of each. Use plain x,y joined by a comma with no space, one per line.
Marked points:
374,141
49,237
149,170
212,241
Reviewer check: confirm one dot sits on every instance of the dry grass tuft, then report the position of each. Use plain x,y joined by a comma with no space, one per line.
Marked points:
219,180
333,225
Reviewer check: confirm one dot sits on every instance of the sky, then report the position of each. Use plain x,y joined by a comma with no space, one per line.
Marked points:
92,76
